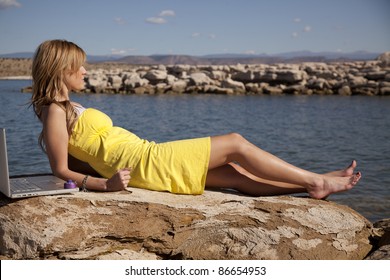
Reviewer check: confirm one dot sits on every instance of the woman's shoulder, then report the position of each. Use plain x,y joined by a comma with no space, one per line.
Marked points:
53,110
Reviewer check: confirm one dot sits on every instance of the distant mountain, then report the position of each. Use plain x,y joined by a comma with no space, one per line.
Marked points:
219,59
163,59
228,58
235,55
101,58
358,55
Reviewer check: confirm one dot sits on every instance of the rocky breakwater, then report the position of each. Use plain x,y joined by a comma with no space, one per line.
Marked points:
140,224
342,78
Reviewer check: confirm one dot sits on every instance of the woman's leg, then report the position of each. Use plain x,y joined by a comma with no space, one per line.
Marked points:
233,176
234,148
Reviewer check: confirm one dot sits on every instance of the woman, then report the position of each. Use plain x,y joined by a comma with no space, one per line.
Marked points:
75,137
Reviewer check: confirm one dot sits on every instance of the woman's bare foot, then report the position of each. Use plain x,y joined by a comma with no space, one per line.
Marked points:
348,171
326,185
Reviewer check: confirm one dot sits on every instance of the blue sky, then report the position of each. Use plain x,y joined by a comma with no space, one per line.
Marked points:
197,27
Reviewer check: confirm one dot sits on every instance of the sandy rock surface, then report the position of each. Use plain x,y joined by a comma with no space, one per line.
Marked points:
141,224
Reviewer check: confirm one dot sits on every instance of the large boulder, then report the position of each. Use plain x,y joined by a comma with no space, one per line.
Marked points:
290,76
381,234
200,79
141,224
384,59
133,80
155,76
235,85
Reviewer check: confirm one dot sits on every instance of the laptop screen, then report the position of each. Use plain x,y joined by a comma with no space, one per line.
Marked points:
4,173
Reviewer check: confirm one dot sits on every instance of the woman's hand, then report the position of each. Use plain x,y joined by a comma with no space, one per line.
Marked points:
119,180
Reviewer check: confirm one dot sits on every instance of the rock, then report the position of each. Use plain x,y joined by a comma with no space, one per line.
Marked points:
162,88
326,74
318,83
345,90
253,88
171,79
199,79
235,85
155,76
133,80
218,75
177,69
376,75
344,78
149,89
97,83
260,76
179,86
295,89
115,81
383,253
272,90
382,235
290,76
27,89
384,59
385,91
383,227
218,90
245,77
140,90
357,81
141,224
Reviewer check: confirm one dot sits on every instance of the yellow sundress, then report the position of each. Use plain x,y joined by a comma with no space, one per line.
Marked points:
178,167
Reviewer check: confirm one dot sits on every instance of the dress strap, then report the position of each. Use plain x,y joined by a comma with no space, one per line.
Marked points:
79,109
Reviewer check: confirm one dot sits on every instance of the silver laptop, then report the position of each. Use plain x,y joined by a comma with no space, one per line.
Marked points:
26,186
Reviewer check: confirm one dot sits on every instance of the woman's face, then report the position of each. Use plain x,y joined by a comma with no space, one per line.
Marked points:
75,80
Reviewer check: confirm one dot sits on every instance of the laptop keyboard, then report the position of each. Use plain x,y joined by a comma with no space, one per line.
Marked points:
23,185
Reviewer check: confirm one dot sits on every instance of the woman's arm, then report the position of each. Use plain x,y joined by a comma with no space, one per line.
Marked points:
56,139
80,166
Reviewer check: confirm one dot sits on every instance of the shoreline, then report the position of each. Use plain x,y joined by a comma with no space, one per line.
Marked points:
370,78
16,78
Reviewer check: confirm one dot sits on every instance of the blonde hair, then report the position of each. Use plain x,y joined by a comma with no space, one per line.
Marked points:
51,60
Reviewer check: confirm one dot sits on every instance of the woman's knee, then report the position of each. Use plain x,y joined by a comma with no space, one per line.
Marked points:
238,142
226,148
235,138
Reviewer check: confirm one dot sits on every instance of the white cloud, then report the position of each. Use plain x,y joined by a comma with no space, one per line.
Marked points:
121,51
120,21
118,52
5,4
167,13
210,36
156,20
160,19
307,28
